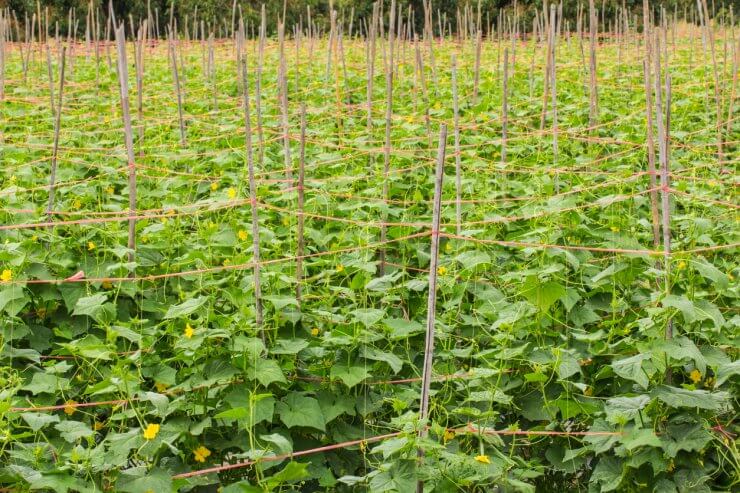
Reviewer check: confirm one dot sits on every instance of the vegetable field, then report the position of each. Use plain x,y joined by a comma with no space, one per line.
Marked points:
362,257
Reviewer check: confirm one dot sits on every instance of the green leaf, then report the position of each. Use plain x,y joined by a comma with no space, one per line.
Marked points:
93,306
9,295
300,410
727,370
292,472
632,369
186,308
681,348
266,371
47,384
350,375
72,431
640,437
702,399
38,420
608,473
391,359
619,410
139,480
473,258
690,437
542,295
280,302
710,272
368,316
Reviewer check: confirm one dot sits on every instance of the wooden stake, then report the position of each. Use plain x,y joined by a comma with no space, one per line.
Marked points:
301,218
178,93
57,127
129,139
426,376
504,111
593,107
458,157
388,122
253,201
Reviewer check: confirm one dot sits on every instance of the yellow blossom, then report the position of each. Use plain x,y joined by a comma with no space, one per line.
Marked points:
90,246
449,435
340,268
286,221
13,179
242,235
483,459
214,186
448,247
7,275
110,190
189,331
201,454
231,192
589,391
76,204
98,426
363,446
315,331
441,270
614,229
161,387
35,238
681,265
150,433
226,262
695,376
107,285
70,408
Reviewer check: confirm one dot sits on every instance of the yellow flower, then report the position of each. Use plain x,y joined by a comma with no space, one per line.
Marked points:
35,238
315,331
449,435
107,285
90,246
441,270
448,247
77,204
695,376
231,192
242,235
189,331
226,262
589,391
483,459
6,276
340,268
70,408
201,453
681,265
98,426
13,179
286,221
110,190
150,433
161,387
614,229
214,186
438,105
363,446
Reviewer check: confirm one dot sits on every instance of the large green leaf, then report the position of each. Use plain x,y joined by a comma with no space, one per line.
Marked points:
297,409
186,308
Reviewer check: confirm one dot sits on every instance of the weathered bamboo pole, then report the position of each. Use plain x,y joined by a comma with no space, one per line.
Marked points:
258,86
717,98
57,127
139,46
50,75
253,201
178,93
504,111
593,107
388,122
129,139
283,102
426,377
458,157
301,218
655,213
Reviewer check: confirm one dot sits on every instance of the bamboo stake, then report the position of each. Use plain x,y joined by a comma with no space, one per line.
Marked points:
253,201
504,112
57,127
51,79
301,218
3,30
283,101
426,377
388,121
593,108
458,157
258,86
476,76
717,100
178,93
129,139
139,67
649,118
